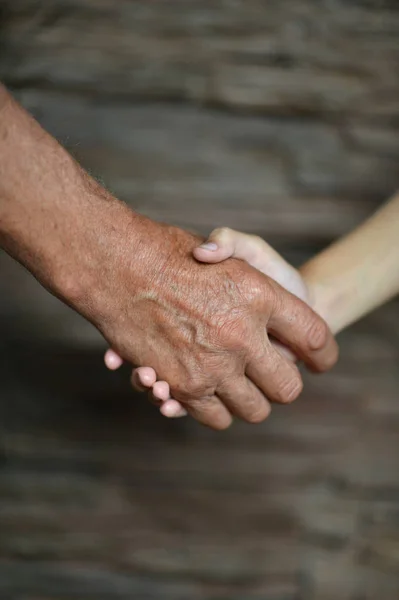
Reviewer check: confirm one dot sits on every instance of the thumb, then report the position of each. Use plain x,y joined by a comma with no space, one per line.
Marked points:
224,243
220,245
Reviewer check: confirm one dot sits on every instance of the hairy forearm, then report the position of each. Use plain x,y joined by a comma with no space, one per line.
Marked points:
55,219
359,272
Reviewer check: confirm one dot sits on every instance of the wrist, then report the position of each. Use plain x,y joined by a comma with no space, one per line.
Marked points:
107,236
116,246
324,296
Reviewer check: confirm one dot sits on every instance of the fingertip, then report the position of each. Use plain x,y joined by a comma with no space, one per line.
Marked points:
209,246
161,390
207,256
204,255
172,409
220,245
143,378
135,381
261,415
112,360
146,376
324,359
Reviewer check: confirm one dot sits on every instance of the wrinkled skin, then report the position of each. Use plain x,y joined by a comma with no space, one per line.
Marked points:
204,327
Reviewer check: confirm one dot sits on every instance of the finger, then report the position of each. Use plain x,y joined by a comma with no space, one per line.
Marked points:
153,400
224,243
209,411
277,377
169,407
172,409
221,244
161,390
143,378
112,360
244,400
296,325
284,350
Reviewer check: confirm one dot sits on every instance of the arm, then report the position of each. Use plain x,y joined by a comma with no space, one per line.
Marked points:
359,272
136,281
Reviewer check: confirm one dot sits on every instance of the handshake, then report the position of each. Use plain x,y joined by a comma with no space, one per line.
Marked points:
219,324
266,330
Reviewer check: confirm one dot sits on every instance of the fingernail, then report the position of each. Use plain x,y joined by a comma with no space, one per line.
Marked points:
209,246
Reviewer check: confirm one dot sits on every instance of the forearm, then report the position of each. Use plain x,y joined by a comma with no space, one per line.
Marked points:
359,272
55,219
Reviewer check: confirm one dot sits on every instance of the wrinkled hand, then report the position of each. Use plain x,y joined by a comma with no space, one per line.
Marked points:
204,329
221,244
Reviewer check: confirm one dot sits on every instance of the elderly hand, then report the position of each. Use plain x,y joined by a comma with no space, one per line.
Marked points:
234,306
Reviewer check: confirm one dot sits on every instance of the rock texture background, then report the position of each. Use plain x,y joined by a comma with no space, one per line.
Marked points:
280,118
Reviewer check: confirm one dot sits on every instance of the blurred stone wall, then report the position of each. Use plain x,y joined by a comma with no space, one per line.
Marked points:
280,118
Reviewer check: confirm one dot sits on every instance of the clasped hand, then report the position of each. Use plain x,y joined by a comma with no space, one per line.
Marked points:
211,334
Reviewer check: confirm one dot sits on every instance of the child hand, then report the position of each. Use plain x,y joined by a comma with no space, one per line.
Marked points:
222,244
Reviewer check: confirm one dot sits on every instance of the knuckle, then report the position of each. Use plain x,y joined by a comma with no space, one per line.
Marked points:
210,412
189,390
258,414
221,232
255,249
289,389
233,335
317,334
258,293
328,360
332,357
222,424
257,241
